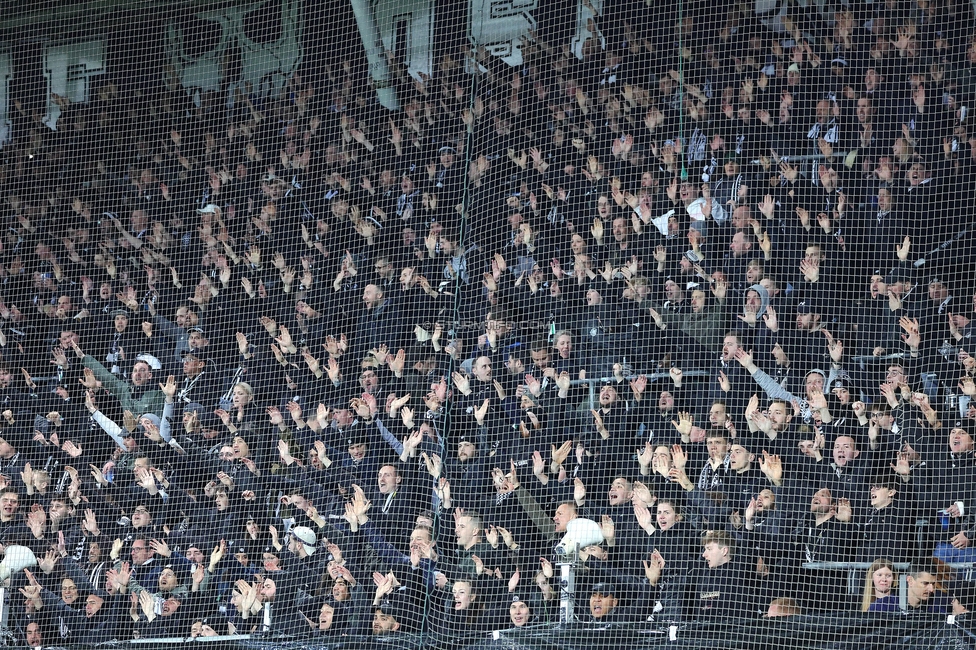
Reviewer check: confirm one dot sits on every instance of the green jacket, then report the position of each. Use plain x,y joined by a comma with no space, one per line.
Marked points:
150,402
707,327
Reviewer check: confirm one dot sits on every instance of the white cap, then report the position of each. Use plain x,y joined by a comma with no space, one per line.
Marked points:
153,362
307,537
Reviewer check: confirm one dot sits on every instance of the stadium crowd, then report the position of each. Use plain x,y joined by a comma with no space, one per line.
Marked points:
303,363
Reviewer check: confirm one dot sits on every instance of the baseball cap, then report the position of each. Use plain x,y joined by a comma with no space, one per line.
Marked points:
151,361
401,612
605,588
307,537
195,407
897,275
196,354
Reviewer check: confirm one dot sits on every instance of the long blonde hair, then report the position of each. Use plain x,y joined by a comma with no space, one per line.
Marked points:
869,596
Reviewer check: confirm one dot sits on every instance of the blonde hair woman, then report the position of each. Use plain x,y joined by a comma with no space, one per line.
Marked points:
879,582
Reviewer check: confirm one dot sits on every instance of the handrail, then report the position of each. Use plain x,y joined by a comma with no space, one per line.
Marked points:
652,376
863,358
837,155
198,639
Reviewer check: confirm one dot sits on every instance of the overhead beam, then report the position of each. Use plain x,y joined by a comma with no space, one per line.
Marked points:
88,10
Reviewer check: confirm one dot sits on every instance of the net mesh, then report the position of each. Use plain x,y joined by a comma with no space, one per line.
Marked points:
506,323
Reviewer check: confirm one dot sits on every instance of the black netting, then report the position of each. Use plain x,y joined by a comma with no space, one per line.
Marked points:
524,324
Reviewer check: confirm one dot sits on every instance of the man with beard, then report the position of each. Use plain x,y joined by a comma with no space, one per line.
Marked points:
825,535
359,459
395,500
848,476
606,605
615,426
775,425
728,382
656,427
467,472
138,395
11,399
760,318
379,325
947,480
173,619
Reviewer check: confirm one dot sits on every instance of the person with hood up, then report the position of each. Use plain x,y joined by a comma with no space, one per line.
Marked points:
760,318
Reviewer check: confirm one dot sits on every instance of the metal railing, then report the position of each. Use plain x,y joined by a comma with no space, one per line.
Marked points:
651,376
809,157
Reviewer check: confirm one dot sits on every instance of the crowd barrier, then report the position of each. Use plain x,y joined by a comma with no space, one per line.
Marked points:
841,631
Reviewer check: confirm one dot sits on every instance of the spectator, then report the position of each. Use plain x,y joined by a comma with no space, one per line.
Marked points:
879,581
537,217
922,595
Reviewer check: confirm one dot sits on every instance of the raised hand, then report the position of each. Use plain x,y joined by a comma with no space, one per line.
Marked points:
751,511
598,423
27,476
743,358
562,382
723,382
546,568
683,424
169,388
644,517
90,524
645,457
772,467
816,399
654,568
481,412
560,455
512,478
46,564
461,382
579,491
638,386
406,414
912,336
88,379
967,386
398,403
433,464
608,528
491,536
678,457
